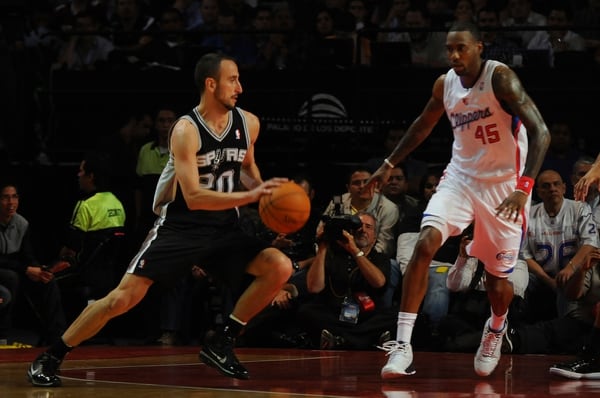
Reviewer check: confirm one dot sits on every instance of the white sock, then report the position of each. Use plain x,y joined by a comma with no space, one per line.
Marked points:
406,324
497,323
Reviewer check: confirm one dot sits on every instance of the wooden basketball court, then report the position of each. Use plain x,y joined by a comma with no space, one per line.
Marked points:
174,372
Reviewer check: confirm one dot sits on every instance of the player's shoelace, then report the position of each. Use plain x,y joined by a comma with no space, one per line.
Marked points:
490,342
393,346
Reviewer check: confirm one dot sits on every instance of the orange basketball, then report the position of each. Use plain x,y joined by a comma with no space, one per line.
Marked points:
286,209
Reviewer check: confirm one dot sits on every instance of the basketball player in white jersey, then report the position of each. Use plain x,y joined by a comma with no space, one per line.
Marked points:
488,180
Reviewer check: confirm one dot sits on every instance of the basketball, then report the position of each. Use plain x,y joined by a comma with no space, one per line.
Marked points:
286,209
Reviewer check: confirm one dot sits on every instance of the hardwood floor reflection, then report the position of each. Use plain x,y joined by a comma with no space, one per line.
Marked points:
145,371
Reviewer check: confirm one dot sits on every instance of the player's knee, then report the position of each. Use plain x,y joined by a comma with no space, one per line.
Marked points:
119,302
278,264
428,244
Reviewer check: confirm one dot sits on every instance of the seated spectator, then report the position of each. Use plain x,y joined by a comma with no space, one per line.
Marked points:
227,41
21,273
284,48
348,276
359,199
460,330
428,48
85,50
560,233
362,18
209,15
566,334
169,48
464,10
559,40
92,245
394,18
495,44
520,13
190,12
396,190
330,43
130,27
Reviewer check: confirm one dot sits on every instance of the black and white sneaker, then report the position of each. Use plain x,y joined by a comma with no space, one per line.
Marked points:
42,371
218,353
580,368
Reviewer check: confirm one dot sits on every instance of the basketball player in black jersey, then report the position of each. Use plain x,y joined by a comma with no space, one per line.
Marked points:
211,152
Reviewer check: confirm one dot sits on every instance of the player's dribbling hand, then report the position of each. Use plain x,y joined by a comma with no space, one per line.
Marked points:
512,206
267,187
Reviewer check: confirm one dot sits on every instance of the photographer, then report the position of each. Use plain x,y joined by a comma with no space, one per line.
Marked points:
362,198
348,277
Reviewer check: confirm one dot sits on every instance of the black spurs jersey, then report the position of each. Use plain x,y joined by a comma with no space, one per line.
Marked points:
219,160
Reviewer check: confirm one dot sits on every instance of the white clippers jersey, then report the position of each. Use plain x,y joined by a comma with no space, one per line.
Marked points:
489,143
553,241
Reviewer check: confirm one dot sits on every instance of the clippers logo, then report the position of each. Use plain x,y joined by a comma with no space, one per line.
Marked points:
506,256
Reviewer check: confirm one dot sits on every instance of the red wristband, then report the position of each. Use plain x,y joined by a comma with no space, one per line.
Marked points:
525,184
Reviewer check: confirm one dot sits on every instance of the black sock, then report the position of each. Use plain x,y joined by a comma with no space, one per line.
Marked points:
59,349
232,327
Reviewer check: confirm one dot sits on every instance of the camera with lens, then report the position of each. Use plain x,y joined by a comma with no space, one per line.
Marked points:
335,225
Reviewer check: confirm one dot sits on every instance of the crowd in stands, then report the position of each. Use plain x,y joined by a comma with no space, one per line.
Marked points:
57,36
276,34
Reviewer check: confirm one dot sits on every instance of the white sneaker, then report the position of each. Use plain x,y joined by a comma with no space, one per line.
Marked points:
400,359
488,353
